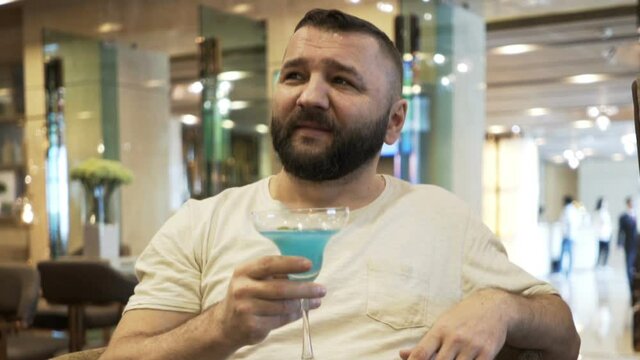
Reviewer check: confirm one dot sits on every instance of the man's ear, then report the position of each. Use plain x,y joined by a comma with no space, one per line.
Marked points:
396,121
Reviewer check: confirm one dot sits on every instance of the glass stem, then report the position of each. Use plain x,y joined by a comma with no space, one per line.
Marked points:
307,349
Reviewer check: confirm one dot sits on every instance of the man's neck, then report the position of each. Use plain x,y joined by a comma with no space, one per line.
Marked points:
355,190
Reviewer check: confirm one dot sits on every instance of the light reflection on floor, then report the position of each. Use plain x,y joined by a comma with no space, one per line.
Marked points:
600,302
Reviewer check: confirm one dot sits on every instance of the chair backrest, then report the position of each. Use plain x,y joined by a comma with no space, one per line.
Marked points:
636,114
84,282
19,292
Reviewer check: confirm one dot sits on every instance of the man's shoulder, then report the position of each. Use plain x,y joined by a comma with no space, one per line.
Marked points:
232,193
427,194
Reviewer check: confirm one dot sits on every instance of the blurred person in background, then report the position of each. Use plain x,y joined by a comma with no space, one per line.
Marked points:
628,238
570,220
603,230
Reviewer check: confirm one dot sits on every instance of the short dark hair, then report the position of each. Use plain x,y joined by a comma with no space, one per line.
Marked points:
336,20
568,199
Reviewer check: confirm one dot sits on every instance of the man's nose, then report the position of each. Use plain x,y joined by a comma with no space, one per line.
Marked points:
315,94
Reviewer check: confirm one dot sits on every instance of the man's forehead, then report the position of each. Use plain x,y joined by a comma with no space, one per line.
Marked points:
313,37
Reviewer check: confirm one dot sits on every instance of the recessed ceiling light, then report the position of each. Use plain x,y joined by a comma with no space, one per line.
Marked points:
189,119
593,111
385,6
583,124
586,78
629,138
462,68
224,106
228,124
241,8
239,105
262,128
603,122
439,59
537,111
233,75
514,49
617,157
516,129
195,87
497,129
629,143
109,27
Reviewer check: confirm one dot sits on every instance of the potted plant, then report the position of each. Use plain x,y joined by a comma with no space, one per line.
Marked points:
100,178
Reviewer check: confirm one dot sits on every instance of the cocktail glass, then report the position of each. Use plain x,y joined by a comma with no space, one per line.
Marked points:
302,232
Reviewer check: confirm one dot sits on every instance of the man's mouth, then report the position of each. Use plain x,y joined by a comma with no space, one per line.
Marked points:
312,125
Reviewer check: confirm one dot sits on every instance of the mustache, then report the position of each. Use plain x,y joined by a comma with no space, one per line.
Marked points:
310,116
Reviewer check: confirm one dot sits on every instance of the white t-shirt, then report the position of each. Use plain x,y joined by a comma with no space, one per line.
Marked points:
399,263
602,225
570,221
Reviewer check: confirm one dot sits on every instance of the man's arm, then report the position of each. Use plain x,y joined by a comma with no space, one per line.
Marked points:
258,300
481,325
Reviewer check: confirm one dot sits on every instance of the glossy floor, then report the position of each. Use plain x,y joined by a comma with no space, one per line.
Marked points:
600,301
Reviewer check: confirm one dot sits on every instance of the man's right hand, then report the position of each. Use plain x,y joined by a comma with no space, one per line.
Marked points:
260,298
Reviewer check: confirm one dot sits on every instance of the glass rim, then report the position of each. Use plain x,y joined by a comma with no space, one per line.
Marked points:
309,210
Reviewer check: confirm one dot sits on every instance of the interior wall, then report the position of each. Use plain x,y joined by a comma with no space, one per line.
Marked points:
82,117
559,180
144,113
612,180
468,107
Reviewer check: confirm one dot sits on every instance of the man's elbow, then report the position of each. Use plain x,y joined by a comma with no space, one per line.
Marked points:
573,345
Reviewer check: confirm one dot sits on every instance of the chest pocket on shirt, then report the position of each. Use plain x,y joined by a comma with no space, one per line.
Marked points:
396,295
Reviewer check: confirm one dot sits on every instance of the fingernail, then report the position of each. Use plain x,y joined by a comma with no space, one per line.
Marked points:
320,290
305,262
314,303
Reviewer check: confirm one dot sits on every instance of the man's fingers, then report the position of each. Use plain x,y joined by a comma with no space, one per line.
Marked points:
280,307
285,289
426,349
269,266
404,354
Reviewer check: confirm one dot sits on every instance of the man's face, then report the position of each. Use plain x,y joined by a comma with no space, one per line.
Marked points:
331,104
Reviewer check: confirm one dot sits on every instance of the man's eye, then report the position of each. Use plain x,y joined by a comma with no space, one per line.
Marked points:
342,81
294,76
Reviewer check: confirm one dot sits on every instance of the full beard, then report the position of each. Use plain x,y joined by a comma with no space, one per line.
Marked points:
350,148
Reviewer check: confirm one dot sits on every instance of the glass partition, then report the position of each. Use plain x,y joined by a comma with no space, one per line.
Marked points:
81,122
234,106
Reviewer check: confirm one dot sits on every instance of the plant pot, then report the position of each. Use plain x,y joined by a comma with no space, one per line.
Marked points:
102,240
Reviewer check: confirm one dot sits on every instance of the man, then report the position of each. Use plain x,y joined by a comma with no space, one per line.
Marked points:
628,238
570,220
403,278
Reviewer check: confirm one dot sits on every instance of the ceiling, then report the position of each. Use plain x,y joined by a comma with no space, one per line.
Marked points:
573,37
599,41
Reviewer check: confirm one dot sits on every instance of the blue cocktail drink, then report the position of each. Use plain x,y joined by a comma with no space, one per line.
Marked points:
307,243
302,232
